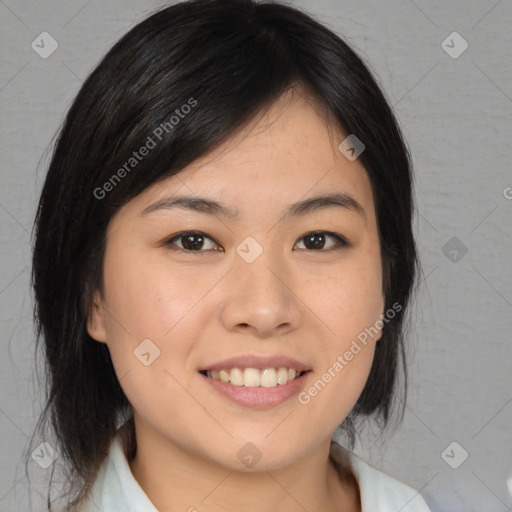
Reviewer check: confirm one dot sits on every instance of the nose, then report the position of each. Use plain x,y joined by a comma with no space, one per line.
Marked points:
260,298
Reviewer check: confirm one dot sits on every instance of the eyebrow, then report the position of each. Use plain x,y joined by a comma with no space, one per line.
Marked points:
211,207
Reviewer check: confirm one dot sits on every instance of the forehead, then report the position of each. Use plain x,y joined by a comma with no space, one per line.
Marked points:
285,154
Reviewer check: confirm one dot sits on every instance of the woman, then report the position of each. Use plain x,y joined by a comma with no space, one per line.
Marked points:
222,266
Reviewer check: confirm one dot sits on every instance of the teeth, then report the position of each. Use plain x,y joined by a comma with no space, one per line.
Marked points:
236,377
282,376
252,377
268,378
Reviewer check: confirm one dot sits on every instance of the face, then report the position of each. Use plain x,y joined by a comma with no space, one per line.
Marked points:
260,285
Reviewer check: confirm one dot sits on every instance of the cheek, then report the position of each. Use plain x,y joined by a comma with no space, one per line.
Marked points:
147,324
349,301
150,300
146,298
350,304
349,298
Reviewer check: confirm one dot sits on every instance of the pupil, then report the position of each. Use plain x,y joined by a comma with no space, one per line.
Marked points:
190,245
317,240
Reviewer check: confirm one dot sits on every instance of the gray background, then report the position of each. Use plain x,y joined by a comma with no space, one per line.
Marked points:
455,114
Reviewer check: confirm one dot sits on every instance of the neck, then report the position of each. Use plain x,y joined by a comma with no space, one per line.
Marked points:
176,479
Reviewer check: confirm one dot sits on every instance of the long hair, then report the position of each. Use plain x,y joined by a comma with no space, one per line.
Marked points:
234,59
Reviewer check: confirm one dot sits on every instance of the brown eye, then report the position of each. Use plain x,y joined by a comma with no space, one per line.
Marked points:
319,239
192,241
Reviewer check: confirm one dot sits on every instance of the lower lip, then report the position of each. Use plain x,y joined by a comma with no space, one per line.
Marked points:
258,397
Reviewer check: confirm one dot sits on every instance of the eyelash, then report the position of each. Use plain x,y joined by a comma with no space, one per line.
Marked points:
342,242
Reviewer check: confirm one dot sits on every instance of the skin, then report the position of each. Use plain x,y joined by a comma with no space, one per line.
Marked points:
205,306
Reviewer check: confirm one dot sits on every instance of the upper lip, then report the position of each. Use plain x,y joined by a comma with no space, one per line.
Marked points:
258,362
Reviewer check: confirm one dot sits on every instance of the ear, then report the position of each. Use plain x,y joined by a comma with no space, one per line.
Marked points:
96,320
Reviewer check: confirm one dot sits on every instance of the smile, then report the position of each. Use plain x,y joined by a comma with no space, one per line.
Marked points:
253,377
256,388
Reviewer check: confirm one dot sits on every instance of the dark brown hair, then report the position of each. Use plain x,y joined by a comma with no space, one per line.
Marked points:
234,58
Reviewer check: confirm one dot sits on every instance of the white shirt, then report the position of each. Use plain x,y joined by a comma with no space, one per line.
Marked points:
116,490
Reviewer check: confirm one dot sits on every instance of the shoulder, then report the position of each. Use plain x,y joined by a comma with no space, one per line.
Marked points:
115,488
379,491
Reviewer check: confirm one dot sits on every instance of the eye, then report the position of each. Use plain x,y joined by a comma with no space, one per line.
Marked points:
192,241
317,241
196,241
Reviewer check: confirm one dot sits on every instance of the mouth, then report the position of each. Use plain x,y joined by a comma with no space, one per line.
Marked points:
259,389
254,377
258,382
